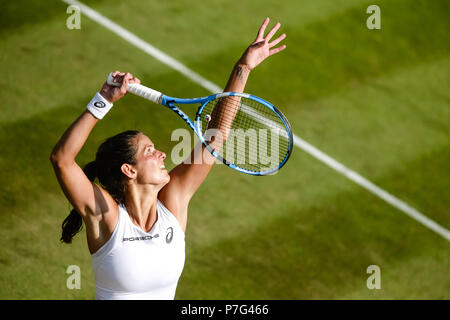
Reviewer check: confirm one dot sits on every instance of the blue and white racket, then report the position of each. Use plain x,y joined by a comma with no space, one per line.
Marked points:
245,132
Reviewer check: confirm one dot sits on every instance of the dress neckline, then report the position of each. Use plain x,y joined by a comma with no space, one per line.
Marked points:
138,227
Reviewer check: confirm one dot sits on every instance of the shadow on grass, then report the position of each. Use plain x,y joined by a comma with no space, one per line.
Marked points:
323,251
16,16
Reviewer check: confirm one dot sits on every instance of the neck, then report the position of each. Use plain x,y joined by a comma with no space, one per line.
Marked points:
141,204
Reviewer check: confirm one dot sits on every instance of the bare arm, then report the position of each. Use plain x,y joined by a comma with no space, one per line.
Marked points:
187,177
90,200
76,186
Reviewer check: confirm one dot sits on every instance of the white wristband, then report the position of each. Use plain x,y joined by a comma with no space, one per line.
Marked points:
99,106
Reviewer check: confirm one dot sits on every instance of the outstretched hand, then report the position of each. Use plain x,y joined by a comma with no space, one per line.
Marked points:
261,48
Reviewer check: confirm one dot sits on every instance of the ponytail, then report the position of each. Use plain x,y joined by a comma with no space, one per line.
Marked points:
73,223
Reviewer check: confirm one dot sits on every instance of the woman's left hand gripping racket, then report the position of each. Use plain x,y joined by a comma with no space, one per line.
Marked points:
245,132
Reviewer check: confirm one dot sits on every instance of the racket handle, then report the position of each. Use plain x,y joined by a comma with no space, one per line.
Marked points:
145,92
139,90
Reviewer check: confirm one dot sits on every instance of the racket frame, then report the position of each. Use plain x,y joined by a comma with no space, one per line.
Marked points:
195,125
170,102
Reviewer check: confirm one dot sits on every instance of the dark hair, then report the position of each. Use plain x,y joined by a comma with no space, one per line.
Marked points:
110,156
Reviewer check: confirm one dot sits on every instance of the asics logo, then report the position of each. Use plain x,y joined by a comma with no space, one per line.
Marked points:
169,235
99,104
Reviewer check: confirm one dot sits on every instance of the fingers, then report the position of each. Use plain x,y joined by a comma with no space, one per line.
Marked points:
115,73
276,50
277,40
135,80
262,29
272,44
125,80
118,76
268,37
272,32
121,76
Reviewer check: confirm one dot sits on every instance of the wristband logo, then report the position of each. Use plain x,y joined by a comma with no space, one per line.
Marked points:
99,104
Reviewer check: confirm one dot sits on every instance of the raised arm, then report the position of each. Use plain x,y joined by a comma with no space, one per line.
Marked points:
187,177
224,112
87,198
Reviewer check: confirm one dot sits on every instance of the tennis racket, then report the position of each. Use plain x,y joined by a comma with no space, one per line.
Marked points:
246,133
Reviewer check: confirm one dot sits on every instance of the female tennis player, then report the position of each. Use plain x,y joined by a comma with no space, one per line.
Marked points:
136,216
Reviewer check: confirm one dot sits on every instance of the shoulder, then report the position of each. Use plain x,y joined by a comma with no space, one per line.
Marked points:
175,215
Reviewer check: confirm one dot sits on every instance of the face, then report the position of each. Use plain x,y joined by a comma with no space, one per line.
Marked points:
150,163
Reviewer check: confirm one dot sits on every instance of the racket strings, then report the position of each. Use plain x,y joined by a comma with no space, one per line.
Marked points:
253,136
243,117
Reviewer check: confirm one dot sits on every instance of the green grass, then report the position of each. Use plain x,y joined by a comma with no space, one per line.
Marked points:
377,101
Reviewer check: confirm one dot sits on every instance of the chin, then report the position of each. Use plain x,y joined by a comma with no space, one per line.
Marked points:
166,179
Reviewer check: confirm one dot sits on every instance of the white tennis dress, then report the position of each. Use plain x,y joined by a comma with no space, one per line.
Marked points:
134,264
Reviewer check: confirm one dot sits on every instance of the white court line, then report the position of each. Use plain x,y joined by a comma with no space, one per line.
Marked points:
302,144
